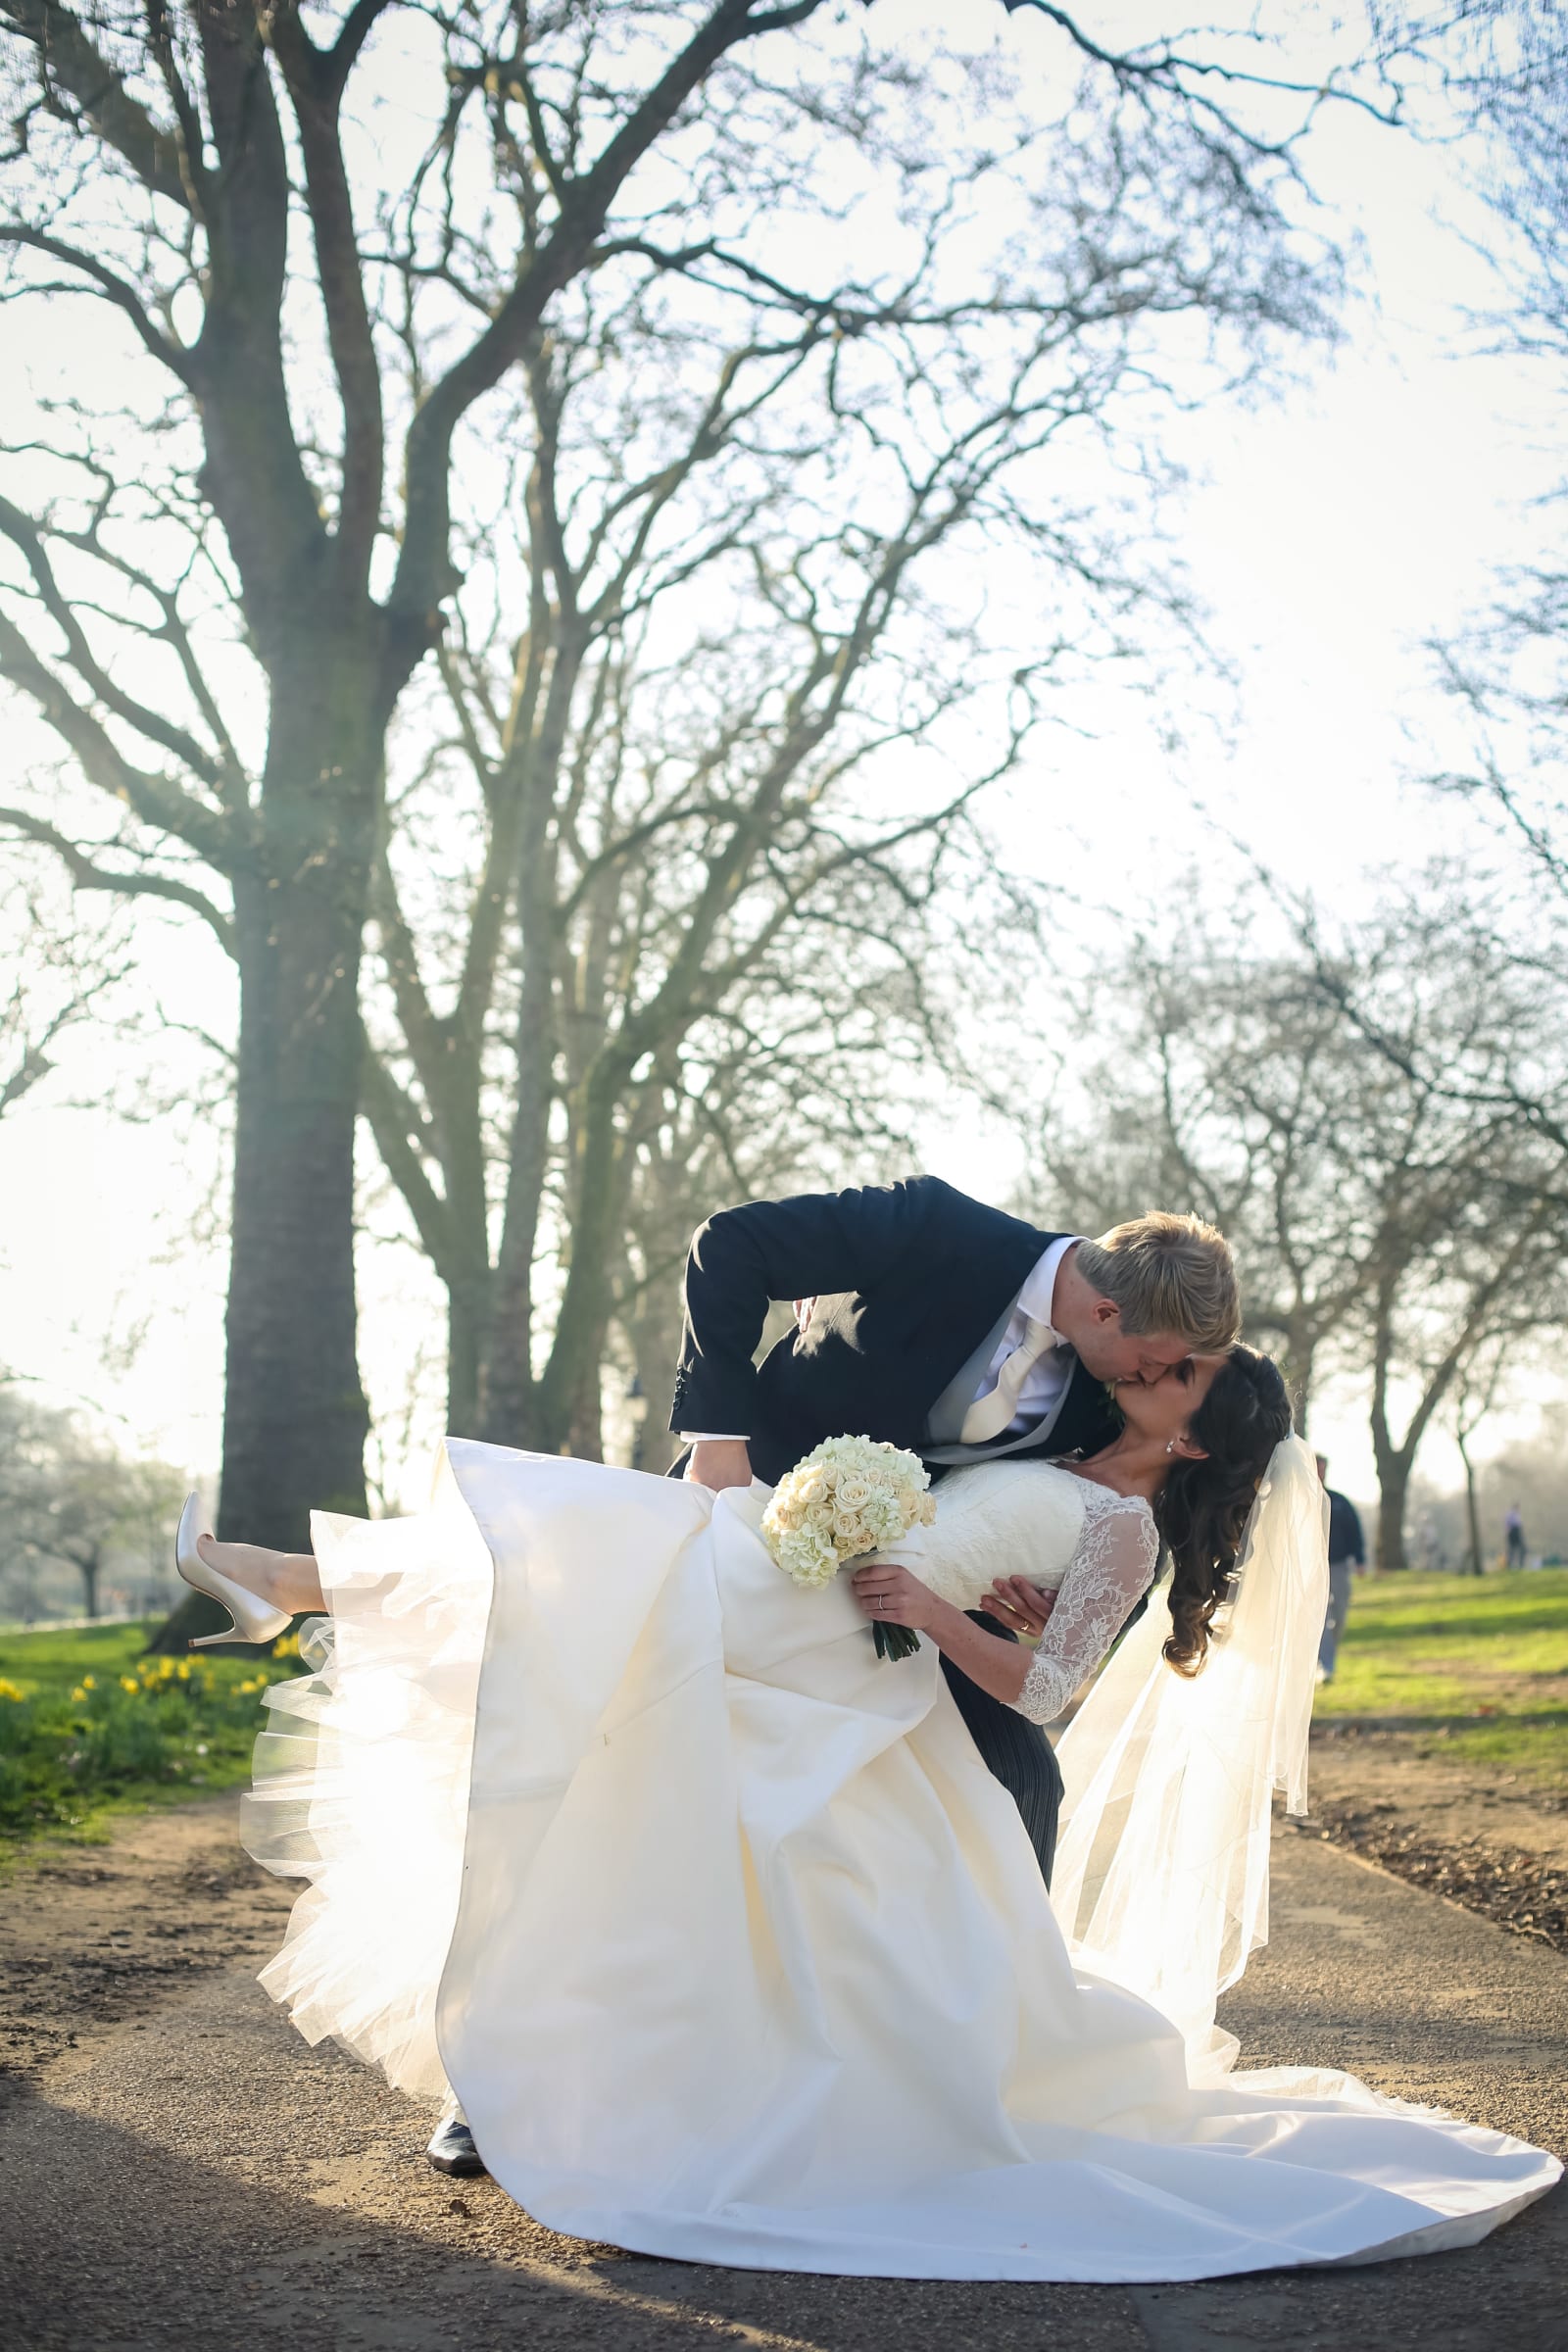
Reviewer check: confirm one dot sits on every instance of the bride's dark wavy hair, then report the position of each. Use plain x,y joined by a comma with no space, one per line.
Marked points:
1203,1508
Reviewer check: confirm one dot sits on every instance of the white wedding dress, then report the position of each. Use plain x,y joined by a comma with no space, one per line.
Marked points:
735,1952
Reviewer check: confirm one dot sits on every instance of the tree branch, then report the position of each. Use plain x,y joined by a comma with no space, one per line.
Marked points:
85,875
425,575
315,86
389,1115
157,800
23,534
68,58
109,288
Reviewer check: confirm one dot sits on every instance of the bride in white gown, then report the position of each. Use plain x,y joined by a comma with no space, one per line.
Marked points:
730,1946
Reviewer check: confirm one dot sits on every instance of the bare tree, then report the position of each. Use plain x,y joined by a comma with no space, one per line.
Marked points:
68,1497
1498,69
1221,1081
682,813
1477,1389
1347,1112
231,535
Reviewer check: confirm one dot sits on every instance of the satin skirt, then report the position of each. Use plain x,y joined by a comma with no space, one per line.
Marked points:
731,1946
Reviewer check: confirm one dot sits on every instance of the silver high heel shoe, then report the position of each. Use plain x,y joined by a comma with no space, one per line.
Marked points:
254,1621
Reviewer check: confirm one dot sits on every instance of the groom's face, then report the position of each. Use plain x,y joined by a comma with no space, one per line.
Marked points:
1110,1353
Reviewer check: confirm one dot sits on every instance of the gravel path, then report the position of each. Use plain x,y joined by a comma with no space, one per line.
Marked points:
178,2171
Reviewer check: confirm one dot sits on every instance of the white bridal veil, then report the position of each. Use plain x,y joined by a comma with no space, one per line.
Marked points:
1161,1875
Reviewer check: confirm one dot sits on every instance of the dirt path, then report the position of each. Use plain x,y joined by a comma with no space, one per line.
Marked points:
1452,1803
178,2171
1486,1837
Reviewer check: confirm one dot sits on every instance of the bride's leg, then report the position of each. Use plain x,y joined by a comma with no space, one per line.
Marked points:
289,1579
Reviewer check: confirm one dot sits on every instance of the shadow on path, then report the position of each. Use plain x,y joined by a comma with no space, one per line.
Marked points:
193,2178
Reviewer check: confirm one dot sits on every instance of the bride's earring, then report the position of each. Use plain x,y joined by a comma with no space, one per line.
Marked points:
1170,1446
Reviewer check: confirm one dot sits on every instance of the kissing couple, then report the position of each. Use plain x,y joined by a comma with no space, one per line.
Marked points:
726,1940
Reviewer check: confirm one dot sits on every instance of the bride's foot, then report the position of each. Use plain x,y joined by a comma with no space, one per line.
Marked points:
261,1589
252,1566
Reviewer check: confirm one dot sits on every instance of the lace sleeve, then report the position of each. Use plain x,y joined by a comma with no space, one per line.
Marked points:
1112,1568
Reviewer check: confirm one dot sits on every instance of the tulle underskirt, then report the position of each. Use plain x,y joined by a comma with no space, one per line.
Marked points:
361,1783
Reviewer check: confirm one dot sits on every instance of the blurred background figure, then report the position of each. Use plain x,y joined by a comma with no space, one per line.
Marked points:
1347,1553
1513,1527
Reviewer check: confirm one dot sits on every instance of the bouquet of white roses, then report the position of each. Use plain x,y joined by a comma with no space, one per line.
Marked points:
849,1496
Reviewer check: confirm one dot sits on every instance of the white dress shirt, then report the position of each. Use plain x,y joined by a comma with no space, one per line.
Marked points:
1046,1381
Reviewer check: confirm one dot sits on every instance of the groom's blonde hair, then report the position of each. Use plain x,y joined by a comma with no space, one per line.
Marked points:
1168,1273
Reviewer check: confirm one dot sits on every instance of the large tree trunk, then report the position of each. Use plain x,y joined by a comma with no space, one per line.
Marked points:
294,1410
294,1416
468,1336
1394,1479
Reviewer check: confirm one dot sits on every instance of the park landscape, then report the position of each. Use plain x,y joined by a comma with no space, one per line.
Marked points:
608,609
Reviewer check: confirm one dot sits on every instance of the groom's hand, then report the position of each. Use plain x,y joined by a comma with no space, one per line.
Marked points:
1018,1604
719,1462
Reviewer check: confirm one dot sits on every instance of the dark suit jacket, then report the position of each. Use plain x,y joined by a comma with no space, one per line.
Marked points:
1345,1540
908,1280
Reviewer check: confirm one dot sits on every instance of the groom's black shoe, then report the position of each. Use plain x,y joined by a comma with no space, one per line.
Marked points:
451,2149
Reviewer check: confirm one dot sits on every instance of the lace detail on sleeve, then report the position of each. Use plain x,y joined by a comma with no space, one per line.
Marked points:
1113,1567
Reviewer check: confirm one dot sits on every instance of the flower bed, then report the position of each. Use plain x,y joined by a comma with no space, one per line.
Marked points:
87,1723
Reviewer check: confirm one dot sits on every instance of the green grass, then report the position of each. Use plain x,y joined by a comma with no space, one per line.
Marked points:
1488,1653
91,1727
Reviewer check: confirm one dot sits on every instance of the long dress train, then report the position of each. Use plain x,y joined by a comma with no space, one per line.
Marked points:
732,1948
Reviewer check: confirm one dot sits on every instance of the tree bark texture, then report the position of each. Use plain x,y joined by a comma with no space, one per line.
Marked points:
294,1416
1394,1479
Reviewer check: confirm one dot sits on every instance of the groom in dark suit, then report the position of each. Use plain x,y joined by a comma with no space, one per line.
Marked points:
942,1325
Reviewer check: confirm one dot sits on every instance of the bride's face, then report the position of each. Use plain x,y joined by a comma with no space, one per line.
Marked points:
1163,1408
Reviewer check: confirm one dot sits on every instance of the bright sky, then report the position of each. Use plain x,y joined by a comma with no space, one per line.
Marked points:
1329,535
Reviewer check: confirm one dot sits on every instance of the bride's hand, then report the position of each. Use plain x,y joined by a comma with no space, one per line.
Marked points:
893,1597
1018,1604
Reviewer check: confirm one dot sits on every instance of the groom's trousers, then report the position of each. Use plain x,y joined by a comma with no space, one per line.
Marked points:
1014,1750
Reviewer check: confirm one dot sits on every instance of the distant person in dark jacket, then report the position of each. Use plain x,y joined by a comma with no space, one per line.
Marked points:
1513,1527
1347,1553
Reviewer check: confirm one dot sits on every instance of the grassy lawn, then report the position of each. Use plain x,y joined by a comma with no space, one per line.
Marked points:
1489,1653
90,1727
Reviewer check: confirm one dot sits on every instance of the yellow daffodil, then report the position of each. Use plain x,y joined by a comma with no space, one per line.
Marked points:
89,1681
9,1690
128,1681
78,1696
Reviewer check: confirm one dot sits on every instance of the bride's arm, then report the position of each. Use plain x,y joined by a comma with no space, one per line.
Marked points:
893,1597
1105,1579
1108,1576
